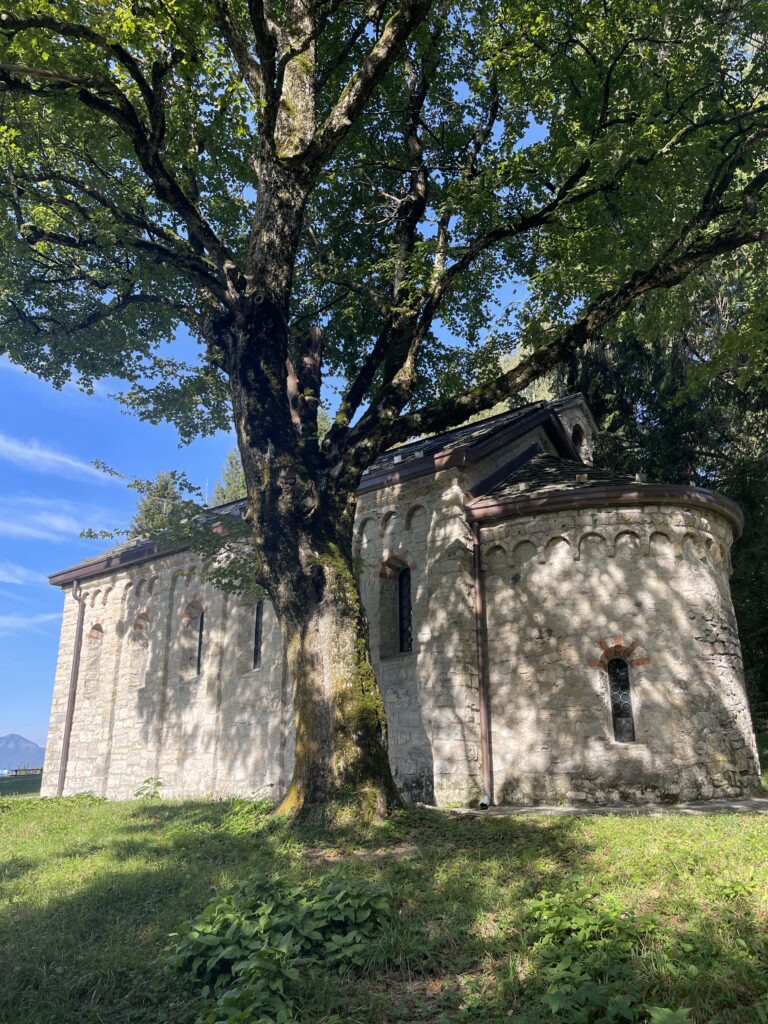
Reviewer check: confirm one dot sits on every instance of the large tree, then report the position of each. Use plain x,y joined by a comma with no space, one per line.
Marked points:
344,188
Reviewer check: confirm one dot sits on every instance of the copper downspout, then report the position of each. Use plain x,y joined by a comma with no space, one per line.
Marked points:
482,673
77,595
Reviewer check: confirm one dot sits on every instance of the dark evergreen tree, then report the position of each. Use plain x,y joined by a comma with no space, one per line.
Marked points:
674,409
154,513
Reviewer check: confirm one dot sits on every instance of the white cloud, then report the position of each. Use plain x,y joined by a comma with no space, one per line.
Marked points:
50,519
17,574
22,623
37,457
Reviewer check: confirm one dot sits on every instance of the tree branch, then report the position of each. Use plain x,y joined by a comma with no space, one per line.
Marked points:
605,308
247,66
122,113
361,85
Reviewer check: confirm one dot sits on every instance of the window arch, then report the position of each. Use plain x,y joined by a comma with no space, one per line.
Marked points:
258,629
96,633
579,439
405,611
621,701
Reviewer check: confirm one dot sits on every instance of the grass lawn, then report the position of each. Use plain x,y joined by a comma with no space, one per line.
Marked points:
89,892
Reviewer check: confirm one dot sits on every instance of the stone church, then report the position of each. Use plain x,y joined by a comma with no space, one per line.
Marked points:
542,631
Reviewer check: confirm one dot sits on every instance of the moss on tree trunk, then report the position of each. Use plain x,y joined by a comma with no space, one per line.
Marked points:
341,728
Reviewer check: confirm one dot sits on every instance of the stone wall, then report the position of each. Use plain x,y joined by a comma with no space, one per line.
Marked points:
143,710
567,592
431,693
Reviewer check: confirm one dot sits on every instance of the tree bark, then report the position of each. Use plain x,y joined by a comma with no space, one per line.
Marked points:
341,729
301,522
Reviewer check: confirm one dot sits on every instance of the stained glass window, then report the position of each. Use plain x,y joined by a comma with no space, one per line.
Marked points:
621,701
405,610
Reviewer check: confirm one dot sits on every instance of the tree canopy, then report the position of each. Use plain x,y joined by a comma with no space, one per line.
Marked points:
594,152
686,405
158,500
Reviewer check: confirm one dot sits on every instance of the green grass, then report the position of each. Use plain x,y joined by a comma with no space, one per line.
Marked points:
20,785
90,890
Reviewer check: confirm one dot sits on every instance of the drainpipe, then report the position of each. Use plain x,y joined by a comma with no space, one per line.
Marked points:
482,673
78,596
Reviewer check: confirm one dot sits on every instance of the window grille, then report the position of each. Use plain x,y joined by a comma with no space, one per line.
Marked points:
257,632
621,701
405,620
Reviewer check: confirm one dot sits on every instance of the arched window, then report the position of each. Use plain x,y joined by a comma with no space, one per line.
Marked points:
257,632
200,629
621,701
405,610
579,440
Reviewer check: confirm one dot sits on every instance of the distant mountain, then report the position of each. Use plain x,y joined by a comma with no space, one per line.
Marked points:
16,752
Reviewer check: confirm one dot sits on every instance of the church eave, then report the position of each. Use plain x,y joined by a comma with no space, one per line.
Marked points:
110,563
486,510
462,455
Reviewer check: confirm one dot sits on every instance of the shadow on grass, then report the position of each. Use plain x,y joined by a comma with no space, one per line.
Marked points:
86,930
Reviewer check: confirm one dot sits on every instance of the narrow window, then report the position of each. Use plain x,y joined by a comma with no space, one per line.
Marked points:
257,628
621,701
405,619
579,439
200,626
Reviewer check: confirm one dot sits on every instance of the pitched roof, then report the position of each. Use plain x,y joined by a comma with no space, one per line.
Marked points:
468,434
549,473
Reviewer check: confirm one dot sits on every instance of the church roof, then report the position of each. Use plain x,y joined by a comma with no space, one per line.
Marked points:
547,483
468,434
545,473
534,481
469,443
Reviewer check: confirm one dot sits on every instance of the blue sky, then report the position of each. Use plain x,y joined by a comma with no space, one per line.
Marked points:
49,492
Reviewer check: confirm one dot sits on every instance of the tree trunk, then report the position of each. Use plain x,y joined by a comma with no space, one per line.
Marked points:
301,522
341,729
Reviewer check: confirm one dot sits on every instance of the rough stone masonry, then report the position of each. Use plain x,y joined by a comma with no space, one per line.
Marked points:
542,631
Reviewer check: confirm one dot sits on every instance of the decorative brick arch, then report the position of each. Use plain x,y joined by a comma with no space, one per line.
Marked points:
617,647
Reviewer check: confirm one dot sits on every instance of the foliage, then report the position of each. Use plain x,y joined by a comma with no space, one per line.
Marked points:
149,789
231,484
584,955
26,784
671,407
158,500
762,746
246,948
89,891
136,144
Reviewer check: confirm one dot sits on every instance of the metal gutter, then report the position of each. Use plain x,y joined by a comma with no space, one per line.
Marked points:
71,696
481,640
